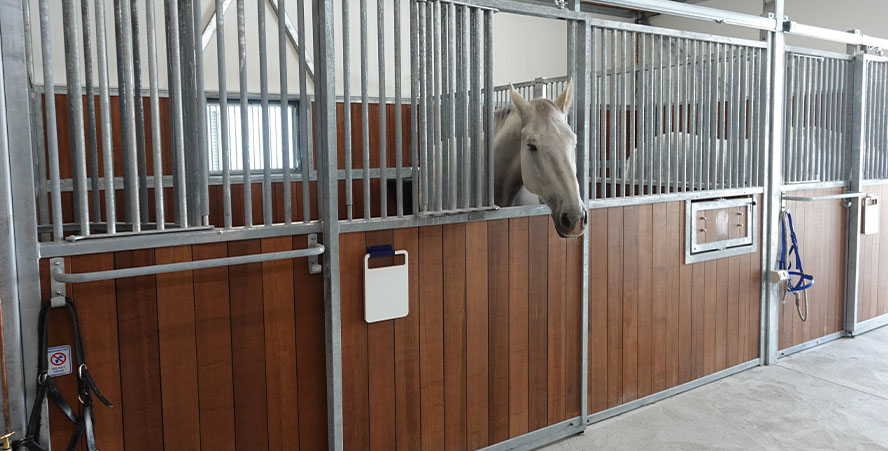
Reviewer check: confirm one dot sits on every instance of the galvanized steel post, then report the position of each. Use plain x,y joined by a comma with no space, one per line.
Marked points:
325,95
856,149
773,170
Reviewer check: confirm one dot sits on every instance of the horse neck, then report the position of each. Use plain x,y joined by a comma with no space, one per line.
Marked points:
507,154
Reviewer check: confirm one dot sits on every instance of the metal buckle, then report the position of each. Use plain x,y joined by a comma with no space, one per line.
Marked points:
80,370
41,378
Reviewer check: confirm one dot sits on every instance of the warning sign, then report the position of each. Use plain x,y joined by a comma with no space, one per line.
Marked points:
59,358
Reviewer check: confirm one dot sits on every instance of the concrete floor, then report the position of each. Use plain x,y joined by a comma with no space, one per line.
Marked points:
834,396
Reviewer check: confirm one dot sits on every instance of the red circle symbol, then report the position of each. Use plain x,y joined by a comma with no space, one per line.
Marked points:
58,359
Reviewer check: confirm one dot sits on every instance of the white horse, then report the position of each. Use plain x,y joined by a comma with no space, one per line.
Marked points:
535,160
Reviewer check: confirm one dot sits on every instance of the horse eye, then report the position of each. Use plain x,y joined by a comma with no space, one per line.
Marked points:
532,147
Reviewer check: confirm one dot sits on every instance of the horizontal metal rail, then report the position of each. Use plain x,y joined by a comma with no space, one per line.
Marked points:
828,197
60,276
853,38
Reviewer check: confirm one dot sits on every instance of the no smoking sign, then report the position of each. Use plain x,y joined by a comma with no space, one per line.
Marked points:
59,359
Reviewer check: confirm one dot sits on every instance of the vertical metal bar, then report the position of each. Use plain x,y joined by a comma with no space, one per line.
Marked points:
201,117
437,98
595,114
189,108
832,114
857,152
706,118
156,151
670,114
488,98
718,129
399,158
347,105
614,131
129,119
623,122
793,133
633,117
75,115
305,121
51,130
245,116
285,109
450,161
424,58
266,135
732,125
91,144
477,142
605,115
662,132
651,135
414,113
584,76
461,67
365,111
821,122
139,112
687,138
36,120
105,114
693,117
328,201
638,153
882,126
383,148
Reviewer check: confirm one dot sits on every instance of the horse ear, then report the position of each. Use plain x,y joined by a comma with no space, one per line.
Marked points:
519,101
565,100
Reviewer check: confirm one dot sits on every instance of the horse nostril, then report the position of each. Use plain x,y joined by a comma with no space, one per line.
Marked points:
585,218
565,220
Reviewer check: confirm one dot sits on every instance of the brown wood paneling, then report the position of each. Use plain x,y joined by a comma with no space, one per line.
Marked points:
598,309
557,378
644,301
407,369
573,325
630,303
356,430
537,352
614,307
454,246
213,341
177,346
477,389
431,337
498,332
518,313
139,360
681,325
381,365
248,348
658,296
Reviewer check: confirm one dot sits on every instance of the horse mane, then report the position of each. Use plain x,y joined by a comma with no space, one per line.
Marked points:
500,115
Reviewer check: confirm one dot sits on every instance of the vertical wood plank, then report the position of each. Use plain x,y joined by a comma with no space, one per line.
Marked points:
721,312
139,357
248,348
681,367
614,306
454,336
518,317
498,338
213,338
431,336
407,370
381,365
630,303
177,348
282,388
645,308
710,306
101,343
477,390
658,294
598,313
538,265
556,333
733,304
674,228
573,317
355,373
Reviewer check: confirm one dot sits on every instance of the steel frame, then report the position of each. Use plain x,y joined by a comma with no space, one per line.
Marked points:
19,272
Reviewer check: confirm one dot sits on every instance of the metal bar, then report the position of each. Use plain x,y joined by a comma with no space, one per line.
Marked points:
75,115
706,137
36,120
633,116
105,114
245,114
614,131
857,151
128,119
596,114
380,32
488,97
365,111
854,37
461,132
223,137
399,157
623,121
415,130
285,111
156,151
305,129
139,112
639,156
732,126
437,160
477,142
424,57
451,162
670,114
177,119
825,197
695,159
189,109
347,104
60,276
203,213
292,34
266,135
91,138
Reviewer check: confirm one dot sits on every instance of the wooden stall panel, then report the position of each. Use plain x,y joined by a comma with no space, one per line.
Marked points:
820,228
873,291
654,322
220,358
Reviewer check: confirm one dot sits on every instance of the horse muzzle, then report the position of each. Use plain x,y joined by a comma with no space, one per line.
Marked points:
571,224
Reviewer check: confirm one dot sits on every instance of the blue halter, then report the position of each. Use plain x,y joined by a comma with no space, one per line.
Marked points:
804,281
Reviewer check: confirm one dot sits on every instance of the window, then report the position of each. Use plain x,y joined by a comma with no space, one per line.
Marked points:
254,119
718,228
